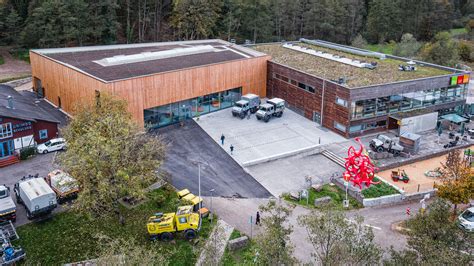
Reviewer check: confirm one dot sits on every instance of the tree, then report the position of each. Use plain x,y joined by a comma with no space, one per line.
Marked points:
339,241
359,42
384,21
434,239
457,179
465,51
123,251
195,19
442,51
108,156
407,47
274,245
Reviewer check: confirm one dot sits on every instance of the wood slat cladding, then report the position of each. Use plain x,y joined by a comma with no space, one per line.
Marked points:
323,100
72,86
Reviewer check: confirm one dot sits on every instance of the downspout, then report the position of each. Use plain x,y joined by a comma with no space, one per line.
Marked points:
322,101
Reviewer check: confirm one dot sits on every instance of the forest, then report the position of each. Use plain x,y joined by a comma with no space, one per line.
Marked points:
63,23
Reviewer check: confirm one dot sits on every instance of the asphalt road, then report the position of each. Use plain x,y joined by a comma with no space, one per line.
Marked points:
187,147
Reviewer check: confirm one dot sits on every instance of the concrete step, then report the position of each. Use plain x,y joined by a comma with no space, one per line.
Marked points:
333,157
8,161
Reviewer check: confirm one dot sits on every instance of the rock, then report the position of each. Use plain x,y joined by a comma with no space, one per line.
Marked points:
294,196
317,187
238,243
322,201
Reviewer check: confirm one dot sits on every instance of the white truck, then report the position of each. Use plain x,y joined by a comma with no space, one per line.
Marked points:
273,107
37,197
248,102
7,206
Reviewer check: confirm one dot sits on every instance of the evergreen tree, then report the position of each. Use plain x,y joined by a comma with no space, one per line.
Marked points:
384,21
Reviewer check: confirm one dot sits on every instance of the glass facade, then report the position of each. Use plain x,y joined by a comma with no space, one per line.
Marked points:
172,113
406,101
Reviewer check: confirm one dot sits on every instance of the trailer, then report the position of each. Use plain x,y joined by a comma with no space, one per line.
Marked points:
37,197
9,254
65,187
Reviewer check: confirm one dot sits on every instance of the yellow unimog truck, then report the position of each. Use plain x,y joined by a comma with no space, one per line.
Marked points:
164,226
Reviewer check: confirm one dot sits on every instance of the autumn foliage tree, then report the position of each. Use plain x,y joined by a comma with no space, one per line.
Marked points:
457,179
108,156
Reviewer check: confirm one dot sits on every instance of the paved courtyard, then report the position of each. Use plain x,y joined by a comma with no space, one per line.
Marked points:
288,174
255,141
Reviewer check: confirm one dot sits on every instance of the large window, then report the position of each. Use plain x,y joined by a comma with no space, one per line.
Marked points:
6,130
175,112
406,101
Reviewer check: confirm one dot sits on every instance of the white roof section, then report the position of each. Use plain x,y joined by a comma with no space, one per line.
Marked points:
250,96
333,57
276,100
35,187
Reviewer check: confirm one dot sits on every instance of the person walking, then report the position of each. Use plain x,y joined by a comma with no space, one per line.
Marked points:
231,149
257,219
222,139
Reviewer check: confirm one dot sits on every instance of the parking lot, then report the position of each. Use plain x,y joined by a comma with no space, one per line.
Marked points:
255,141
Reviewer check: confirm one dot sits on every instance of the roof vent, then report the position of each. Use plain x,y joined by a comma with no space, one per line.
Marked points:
10,102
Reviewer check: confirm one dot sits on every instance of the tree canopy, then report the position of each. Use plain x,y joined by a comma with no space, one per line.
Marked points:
57,23
108,156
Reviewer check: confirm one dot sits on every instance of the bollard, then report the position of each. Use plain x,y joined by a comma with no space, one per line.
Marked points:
418,188
408,211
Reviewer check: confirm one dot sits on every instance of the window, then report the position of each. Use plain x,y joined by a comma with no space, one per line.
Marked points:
43,134
6,130
341,102
182,220
339,126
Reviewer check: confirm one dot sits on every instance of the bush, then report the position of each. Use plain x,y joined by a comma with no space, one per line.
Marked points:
25,153
465,52
375,191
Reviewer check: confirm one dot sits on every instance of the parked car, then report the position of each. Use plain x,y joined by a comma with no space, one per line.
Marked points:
52,145
466,220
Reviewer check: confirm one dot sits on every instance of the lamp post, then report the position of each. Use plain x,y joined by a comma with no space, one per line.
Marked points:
211,209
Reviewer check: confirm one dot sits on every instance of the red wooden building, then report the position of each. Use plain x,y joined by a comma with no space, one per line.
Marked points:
23,123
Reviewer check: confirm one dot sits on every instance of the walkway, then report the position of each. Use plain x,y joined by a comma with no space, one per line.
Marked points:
216,244
12,67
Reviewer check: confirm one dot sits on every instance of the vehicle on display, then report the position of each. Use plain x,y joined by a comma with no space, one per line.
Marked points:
52,145
7,206
164,226
248,102
35,194
9,254
400,176
466,220
273,107
65,187
190,199
384,143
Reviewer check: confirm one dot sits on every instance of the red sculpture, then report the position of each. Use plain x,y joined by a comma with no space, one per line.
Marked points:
359,168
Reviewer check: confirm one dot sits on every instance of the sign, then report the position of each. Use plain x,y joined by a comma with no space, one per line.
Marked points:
251,219
22,127
345,203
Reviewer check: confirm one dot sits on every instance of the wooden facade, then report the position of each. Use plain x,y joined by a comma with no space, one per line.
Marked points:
66,86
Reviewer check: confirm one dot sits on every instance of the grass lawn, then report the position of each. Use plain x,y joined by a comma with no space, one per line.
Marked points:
382,189
458,31
71,237
243,256
386,48
337,195
21,54
235,234
1,60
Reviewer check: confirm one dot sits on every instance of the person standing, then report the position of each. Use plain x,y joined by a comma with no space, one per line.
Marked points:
257,219
222,139
231,149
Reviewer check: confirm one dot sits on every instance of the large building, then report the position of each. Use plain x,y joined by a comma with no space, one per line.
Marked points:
350,91
163,83
353,91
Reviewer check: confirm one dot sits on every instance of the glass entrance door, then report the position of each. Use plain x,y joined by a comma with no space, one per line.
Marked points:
6,148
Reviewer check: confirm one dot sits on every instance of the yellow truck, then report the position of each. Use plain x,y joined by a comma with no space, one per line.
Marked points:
163,226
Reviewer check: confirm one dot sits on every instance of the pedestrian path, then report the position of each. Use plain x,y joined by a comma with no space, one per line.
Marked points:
216,244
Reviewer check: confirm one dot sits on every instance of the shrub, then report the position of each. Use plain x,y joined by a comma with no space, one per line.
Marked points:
27,152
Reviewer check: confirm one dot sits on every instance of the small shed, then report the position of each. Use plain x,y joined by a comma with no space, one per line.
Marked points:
410,142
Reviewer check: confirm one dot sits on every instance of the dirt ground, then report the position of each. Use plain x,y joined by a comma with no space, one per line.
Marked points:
12,67
416,172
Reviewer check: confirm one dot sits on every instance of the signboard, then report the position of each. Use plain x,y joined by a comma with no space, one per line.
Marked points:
22,127
345,203
462,79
